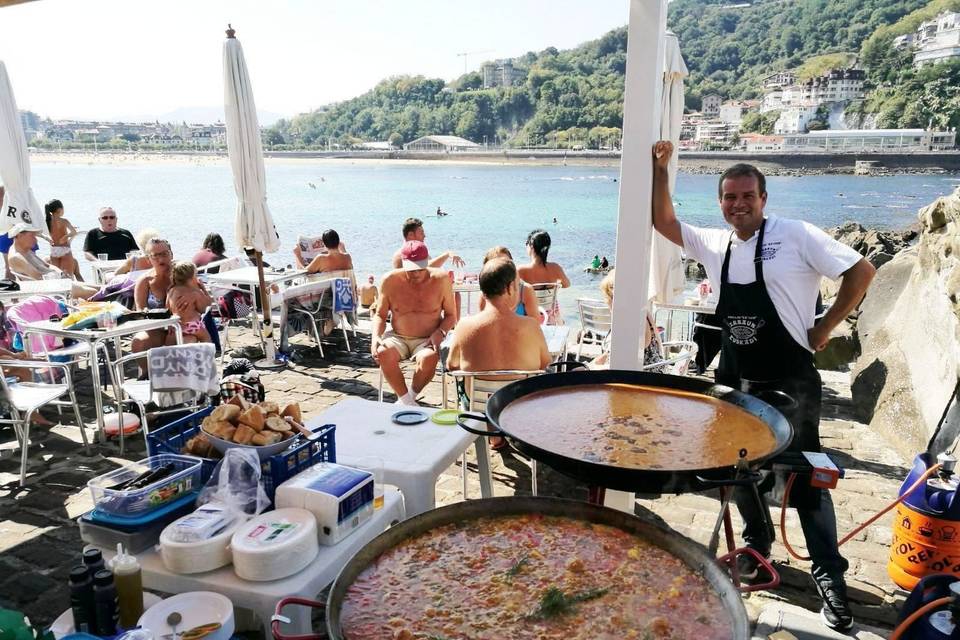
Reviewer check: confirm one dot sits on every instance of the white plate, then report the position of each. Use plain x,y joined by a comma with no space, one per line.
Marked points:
264,451
195,608
63,625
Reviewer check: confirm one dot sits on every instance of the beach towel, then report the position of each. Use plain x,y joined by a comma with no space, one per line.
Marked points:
34,309
176,372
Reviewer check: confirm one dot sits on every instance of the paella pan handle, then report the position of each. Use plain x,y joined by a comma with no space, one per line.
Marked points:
278,618
777,399
751,478
489,431
562,366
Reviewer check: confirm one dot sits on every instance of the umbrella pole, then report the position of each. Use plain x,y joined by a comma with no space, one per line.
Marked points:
269,346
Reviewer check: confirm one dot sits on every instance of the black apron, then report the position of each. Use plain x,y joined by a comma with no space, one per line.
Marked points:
758,356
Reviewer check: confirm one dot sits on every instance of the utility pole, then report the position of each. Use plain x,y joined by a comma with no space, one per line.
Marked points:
466,54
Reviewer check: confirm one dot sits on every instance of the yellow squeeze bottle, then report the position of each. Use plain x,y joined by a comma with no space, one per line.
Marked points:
129,584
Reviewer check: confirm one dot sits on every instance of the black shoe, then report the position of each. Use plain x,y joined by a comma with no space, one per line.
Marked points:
747,566
836,612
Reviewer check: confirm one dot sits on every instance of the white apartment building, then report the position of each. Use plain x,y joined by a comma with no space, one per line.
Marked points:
855,140
794,118
935,40
754,142
772,100
732,112
715,133
779,80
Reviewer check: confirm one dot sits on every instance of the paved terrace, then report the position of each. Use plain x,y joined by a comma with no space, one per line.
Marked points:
39,540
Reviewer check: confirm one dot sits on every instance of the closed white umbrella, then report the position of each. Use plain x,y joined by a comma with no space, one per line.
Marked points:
666,269
19,202
254,224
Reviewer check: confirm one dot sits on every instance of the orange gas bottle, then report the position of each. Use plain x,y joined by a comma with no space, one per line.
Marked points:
926,527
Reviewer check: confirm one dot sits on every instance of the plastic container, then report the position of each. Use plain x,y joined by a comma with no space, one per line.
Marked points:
302,454
136,534
105,603
184,478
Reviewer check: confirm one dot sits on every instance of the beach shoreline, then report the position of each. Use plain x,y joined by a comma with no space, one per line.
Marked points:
693,163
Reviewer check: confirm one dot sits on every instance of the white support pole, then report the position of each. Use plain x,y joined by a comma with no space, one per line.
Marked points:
641,122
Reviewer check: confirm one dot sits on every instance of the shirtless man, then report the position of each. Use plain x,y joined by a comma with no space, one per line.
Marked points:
334,259
24,260
421,300
413,230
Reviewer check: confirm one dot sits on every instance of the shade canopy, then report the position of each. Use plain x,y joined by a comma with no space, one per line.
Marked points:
19,202
666,267
254,224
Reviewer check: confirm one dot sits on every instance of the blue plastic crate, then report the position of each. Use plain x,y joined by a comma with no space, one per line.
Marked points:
301,455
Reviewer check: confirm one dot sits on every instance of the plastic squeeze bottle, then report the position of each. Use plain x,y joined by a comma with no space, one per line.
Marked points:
129,583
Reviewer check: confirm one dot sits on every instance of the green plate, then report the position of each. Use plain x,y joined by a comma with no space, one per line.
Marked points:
446,416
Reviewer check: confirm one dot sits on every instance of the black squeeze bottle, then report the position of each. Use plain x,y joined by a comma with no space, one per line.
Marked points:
105,601
93,558
81,600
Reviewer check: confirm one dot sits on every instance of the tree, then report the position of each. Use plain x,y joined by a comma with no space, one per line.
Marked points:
395,139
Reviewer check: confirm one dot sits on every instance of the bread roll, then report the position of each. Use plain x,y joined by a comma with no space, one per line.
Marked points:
266,437
227,412
239,401
276,423
293,410
244,434
198,446
270,407
227,433
254,417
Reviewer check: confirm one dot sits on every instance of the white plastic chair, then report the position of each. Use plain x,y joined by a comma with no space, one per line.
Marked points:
546,293
141,393
25,397
478,390
596,320
307,300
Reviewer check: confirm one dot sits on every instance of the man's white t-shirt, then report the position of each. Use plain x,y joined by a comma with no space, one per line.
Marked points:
795,256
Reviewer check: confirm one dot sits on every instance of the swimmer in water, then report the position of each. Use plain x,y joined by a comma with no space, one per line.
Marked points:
554,221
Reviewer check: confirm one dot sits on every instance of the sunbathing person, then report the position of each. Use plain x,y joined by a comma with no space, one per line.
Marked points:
187,298
497,338
539,271
420,300
24,261
334,259
140,262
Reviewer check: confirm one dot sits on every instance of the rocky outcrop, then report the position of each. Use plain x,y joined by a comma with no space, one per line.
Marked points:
878,247
908,330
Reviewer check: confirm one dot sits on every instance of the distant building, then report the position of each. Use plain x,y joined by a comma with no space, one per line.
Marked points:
377,145
756,142
719,134
441,143
794,118
779,80
711,105
732,111
856,140
500,74
935,40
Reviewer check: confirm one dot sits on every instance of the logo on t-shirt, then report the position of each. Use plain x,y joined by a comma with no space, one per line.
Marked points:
769,250
743,329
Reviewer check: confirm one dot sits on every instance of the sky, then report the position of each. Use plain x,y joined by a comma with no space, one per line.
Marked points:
102,59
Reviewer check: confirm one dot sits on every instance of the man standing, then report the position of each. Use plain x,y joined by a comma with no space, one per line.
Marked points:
421,301
413,230
769,271
109,238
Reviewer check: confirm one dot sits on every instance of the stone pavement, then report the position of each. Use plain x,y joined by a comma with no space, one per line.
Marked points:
39,539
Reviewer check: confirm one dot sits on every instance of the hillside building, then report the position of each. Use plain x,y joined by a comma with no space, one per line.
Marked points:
500,74
934,40
839,85
875,140
757,142
711,105
715,134
444,144
779,80
795,118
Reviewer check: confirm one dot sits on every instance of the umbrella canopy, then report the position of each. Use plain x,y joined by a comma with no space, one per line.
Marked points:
666,268
19,202
254,224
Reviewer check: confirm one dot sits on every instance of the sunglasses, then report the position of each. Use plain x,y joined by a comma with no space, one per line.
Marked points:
108,217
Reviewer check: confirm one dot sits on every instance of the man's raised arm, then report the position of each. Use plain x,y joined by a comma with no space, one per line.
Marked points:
664,218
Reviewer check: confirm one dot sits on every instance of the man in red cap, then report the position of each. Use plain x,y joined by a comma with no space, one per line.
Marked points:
421,301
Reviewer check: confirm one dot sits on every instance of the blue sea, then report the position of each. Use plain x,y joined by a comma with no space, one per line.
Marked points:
367,202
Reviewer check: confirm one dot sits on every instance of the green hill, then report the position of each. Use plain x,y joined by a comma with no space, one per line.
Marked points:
574,98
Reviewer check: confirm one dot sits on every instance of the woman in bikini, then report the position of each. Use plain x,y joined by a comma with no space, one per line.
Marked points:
150,292
188,299
61,234
539,271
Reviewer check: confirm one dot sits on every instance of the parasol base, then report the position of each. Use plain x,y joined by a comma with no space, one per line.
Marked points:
270,364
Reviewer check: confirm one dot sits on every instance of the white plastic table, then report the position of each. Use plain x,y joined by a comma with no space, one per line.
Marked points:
94,337
102,267
59,287
689,303
413,456
262,597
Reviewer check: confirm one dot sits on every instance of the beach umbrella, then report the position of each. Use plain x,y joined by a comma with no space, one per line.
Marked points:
254,225
19,202
666,263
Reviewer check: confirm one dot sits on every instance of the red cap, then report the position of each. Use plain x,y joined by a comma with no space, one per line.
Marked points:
414,255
